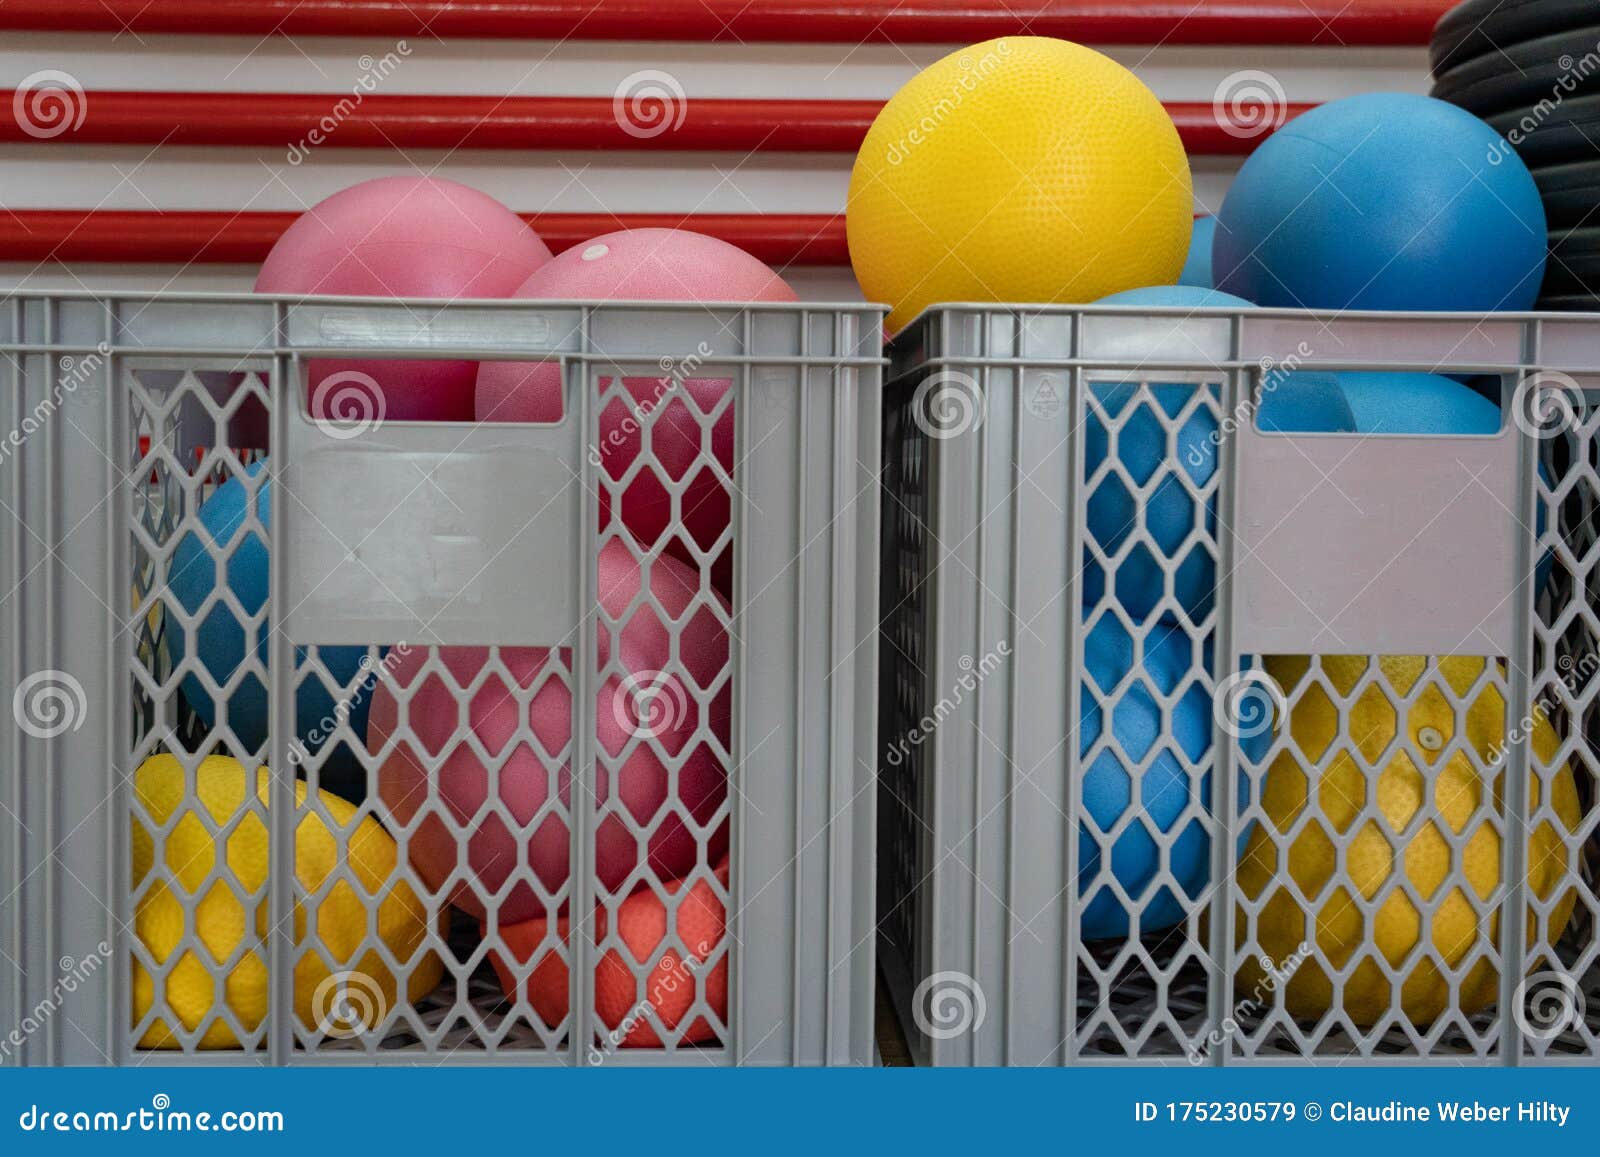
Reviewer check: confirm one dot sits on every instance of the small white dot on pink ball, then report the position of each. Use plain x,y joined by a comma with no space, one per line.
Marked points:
595,252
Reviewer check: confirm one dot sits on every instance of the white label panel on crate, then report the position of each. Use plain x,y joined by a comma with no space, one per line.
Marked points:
1356,544
439,534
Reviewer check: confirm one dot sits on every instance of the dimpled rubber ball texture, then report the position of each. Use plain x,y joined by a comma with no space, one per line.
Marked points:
645,265
401,237
220,635
1163,505
1197,266
202,831
1024,169
1429,816
1386,201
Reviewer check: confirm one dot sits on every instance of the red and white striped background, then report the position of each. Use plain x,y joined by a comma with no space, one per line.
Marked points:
174,166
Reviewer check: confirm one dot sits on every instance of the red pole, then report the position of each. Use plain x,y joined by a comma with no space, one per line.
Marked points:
107,236
301,121
1334,23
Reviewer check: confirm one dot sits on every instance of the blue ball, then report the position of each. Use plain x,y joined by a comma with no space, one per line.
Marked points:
1415,403
1197,268
220,637
1383,201
1166,790
1191,296
1169,511
1411,403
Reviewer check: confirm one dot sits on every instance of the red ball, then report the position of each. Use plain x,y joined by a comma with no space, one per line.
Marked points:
401,237
634,705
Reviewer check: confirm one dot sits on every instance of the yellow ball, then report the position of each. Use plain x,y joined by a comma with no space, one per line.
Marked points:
236,900
1023,169
1451,787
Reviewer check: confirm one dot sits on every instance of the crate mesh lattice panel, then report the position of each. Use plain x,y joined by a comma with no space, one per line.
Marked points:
412,1002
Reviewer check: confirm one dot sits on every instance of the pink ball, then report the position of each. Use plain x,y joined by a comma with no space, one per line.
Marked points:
636,704
644,265
402,237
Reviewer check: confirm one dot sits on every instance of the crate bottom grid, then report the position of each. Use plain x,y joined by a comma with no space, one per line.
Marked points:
1136,998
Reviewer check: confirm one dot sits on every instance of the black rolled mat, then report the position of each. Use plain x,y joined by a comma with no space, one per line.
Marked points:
1553,135
1478,27
1571,195
1522,75
1574,265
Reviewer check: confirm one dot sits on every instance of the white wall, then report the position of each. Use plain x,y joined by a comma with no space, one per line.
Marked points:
172,177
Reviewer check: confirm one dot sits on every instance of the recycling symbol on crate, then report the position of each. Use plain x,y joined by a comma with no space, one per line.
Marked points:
1046,400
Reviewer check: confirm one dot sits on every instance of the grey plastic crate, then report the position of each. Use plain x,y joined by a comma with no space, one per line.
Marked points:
127,413
999,949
